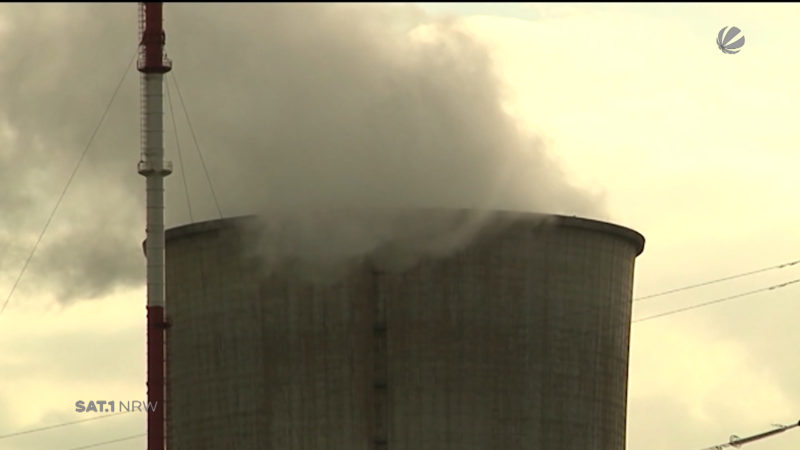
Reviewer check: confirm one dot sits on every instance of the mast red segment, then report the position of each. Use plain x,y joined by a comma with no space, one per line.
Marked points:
156,415
152,57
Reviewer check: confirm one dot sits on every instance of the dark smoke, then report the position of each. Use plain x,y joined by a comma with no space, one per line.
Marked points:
298,108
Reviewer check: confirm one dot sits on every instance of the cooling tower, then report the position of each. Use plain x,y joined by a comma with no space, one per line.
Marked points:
519,340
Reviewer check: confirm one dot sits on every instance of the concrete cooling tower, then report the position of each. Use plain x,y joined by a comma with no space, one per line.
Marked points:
517,341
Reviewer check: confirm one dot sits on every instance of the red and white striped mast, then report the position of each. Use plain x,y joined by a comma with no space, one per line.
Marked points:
153,64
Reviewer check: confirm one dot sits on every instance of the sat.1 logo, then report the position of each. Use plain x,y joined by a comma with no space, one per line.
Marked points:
724,43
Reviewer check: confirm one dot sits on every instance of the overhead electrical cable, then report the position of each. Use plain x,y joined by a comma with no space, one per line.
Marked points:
719,300
736,441
58,425
718,280
99,444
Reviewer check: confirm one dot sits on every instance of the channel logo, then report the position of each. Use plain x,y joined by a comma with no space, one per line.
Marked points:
114,406
724,40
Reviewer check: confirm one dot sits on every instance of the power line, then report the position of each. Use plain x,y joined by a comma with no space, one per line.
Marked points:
98,444
719,300
58,425
180,155
66,186
736,441
718,280
196,144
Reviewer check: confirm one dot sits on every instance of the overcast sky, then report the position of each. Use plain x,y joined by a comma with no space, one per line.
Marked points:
626,113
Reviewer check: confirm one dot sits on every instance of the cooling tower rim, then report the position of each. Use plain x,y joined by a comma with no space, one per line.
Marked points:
537,219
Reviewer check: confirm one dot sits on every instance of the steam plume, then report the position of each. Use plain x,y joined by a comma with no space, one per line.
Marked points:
299,109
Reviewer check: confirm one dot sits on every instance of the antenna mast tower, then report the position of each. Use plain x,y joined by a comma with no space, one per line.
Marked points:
153,64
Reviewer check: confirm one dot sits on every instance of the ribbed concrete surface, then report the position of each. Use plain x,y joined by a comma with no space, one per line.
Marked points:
518,342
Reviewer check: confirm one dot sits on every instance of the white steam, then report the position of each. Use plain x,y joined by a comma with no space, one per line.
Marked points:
300,109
